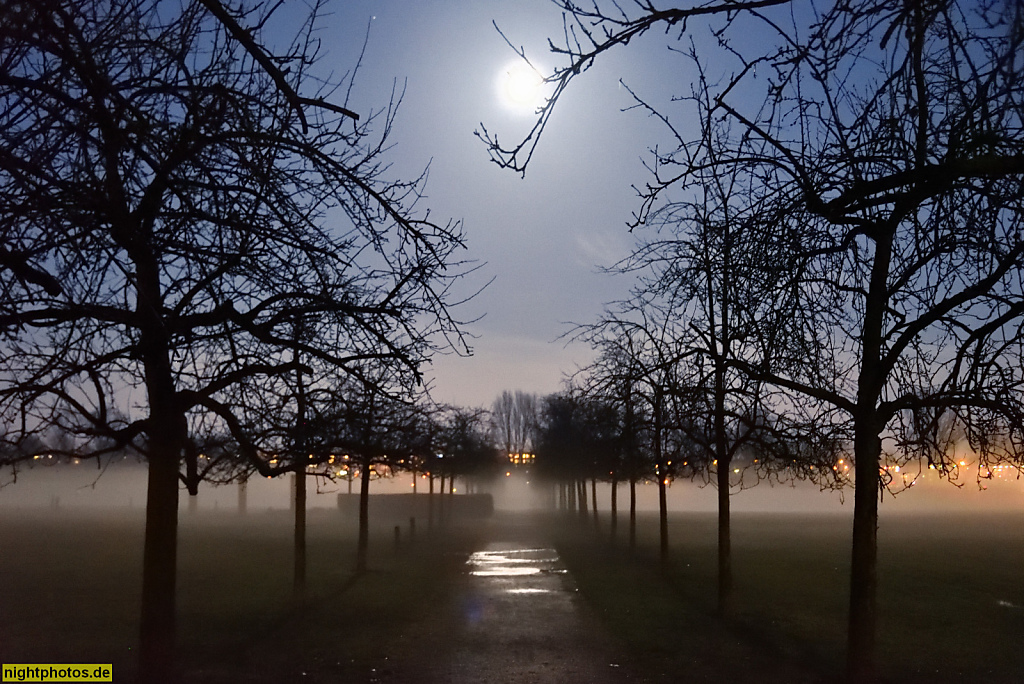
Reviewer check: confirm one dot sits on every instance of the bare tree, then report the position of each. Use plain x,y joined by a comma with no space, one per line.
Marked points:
888,136
638,367
905,183
613,378
514,421
376,422
717,265
169,211
464,438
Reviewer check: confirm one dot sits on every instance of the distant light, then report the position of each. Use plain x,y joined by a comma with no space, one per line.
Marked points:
508,474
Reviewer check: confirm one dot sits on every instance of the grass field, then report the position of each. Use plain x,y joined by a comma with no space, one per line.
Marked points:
951,597
71,585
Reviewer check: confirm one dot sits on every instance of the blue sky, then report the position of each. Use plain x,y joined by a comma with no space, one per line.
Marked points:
541,237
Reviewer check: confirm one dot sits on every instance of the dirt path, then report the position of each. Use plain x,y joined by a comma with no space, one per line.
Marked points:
517,618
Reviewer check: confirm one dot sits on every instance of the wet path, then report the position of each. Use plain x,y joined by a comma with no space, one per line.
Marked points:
518,618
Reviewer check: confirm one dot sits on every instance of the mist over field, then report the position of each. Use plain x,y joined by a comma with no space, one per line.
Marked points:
122,485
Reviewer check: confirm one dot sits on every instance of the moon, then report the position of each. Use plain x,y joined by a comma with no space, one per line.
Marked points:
520,87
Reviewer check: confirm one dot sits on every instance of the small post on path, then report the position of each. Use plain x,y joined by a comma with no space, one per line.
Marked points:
398,535
412,528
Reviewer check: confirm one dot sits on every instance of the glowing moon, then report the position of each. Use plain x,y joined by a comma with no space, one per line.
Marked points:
521,87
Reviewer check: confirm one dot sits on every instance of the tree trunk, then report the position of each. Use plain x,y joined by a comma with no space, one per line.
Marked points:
430,502
582,486
662,477
867,449
863,565
166,436
724,538
364,518
440,497
593,498
615,504
159,568
663,518
723,459
299,576
632,511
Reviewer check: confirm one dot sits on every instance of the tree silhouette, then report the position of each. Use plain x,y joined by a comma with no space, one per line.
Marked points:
718,266
887,137
168,210
614,378
638,368
904,181
378,425
514,421
464,439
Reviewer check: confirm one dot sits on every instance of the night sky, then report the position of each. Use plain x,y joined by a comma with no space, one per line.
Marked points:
542,237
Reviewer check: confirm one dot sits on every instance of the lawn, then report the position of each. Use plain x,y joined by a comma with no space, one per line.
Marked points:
71,585
951,601
951,596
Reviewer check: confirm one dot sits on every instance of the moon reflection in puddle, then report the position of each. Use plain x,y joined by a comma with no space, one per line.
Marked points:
505,572
513,563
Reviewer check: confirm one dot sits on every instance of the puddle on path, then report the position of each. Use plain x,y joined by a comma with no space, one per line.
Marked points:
521,621
510,563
